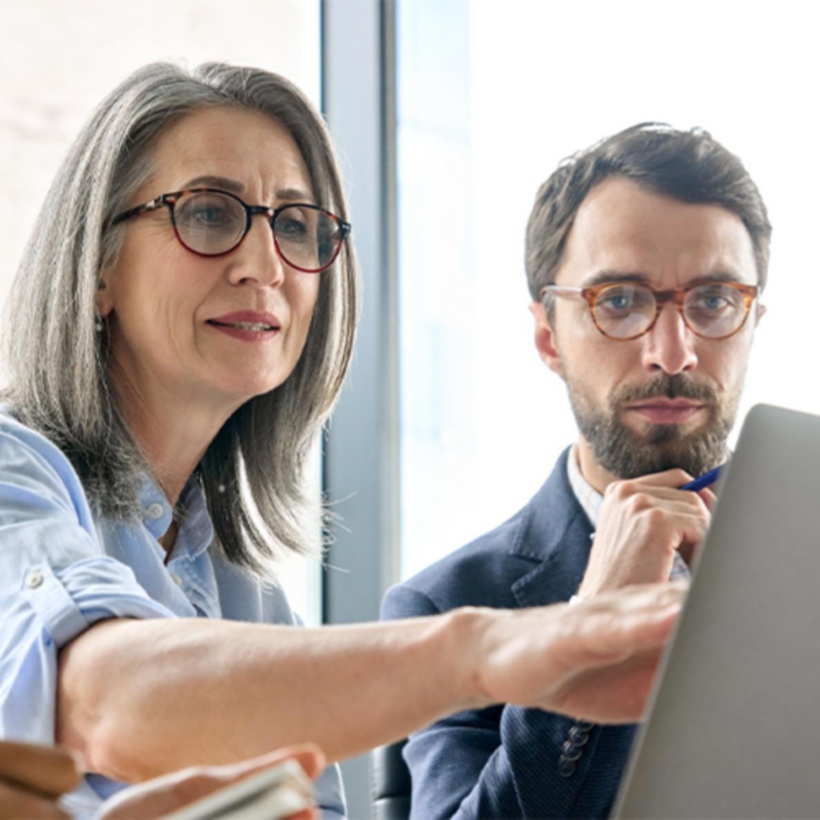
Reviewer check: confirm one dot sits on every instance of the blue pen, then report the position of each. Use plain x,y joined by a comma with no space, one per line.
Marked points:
706,480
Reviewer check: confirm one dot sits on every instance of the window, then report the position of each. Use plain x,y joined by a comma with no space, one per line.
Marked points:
491,97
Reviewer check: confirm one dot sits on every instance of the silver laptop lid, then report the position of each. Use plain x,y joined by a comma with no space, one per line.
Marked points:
735,726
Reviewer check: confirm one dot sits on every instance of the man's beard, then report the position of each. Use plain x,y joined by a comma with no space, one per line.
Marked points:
625,453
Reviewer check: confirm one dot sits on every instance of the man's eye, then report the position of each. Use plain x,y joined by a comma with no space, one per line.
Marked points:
714,303
618,301
715,300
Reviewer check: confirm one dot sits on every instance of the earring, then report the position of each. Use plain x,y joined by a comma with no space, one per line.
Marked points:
98,324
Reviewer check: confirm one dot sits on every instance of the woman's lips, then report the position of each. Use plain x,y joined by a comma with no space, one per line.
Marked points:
660,411
247,325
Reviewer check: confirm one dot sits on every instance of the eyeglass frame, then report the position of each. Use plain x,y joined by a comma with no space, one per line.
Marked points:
661,297
170,200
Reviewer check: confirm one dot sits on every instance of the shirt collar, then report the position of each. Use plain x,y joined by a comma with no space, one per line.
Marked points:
195,527
154,507
588,497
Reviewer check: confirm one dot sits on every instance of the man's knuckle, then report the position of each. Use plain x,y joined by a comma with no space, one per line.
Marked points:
642,503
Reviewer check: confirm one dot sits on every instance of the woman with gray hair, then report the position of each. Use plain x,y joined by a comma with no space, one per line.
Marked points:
172,357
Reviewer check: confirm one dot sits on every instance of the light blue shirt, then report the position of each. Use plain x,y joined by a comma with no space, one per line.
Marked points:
63,567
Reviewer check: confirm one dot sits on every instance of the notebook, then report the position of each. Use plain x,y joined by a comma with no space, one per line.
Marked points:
734,727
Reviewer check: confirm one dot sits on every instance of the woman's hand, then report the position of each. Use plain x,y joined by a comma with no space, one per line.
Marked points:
162,795
32,778
598,657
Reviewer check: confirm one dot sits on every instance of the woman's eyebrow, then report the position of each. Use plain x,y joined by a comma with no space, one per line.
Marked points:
235,187
294,195
209,181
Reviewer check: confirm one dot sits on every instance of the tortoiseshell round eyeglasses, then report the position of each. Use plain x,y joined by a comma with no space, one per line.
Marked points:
627,310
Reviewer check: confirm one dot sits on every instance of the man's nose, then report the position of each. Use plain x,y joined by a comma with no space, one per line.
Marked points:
257,259
670,345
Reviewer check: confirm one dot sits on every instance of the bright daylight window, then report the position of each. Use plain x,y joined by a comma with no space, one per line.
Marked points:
491,97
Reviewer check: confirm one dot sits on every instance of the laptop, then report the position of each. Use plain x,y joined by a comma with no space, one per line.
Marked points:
734,726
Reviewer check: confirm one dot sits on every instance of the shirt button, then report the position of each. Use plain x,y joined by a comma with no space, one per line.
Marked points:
155,510
34,579
176,579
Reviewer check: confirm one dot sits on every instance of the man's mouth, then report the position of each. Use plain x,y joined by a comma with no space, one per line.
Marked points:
661,410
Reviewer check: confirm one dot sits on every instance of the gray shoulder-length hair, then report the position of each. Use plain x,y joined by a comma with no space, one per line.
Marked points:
254,471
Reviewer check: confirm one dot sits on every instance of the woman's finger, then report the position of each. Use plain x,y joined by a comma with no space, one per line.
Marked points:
49,770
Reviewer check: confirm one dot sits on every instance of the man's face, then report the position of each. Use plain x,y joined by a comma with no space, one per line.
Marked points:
668,398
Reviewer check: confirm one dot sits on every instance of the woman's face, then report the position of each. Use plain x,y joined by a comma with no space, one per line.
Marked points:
212,330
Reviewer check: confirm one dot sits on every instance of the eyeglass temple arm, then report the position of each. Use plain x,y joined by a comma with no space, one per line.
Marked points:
159,202
560,290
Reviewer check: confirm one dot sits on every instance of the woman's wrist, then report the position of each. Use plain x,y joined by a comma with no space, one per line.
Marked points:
470,637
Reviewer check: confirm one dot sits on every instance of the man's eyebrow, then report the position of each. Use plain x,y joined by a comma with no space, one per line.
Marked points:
720,276
235,187
606,277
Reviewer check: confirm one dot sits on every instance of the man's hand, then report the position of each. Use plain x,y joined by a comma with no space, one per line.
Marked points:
642,523
598,658
32,778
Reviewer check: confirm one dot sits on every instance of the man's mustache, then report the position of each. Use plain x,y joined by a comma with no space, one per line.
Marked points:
665,386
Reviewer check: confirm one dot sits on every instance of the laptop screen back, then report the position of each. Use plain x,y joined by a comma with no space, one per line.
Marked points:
735,726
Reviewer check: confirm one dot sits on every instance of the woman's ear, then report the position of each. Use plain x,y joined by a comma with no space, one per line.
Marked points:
545,339
104,296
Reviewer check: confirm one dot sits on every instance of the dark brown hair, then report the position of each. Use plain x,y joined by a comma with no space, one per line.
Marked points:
689,166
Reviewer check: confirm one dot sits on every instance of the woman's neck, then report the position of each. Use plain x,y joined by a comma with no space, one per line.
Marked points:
172,436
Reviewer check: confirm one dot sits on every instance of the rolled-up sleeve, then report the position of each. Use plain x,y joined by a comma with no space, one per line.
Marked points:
55,579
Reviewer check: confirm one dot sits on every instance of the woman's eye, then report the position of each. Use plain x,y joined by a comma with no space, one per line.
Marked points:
211,215
290,227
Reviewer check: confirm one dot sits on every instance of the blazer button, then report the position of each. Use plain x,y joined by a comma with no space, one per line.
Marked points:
571,752
566,768
578,736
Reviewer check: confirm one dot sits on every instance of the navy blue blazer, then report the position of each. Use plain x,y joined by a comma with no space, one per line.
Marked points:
506,761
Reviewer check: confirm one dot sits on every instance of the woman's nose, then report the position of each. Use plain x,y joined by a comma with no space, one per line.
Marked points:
258,259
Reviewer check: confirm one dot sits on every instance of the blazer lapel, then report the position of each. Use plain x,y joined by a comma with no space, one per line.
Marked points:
558,533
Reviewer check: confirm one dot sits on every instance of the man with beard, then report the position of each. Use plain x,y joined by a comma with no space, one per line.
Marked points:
646,255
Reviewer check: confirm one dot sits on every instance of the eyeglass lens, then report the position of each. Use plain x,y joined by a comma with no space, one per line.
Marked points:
212,223
712,310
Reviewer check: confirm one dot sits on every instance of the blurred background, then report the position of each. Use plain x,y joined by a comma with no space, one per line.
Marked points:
448,115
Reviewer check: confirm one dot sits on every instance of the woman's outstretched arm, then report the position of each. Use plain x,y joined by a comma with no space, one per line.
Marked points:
140,698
